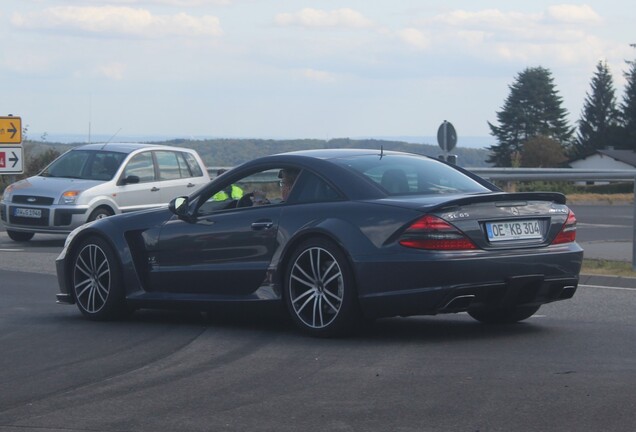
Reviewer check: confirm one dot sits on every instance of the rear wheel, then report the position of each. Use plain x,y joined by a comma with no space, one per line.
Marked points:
96,280
20,236
503,315
319,289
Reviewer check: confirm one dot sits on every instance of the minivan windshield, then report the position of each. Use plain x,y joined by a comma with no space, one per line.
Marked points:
412,175
85,164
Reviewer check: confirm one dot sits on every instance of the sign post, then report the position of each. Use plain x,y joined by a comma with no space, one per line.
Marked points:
11,160
447,140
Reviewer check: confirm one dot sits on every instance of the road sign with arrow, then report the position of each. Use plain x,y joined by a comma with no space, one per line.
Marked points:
11,160
10,130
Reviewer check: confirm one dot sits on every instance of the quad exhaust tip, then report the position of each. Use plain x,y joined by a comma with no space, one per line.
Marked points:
461,302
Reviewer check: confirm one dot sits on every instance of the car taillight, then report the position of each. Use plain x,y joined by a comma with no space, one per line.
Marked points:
433,233
568,230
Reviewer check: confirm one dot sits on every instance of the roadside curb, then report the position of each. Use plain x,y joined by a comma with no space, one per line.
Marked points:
615,281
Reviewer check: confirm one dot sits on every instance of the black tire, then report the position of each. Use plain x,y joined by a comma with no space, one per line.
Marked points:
503,315
96,280
320,292
100,213
20,236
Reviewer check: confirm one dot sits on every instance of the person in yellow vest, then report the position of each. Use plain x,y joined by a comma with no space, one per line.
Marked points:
230,192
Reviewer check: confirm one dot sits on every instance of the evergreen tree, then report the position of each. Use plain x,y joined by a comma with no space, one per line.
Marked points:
628,106
599,122
533,108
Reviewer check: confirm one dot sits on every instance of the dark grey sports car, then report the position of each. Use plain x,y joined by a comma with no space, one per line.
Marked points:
334,235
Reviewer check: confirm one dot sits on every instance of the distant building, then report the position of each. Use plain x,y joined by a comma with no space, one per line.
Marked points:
607,159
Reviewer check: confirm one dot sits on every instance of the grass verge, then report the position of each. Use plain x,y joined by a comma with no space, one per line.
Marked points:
607,268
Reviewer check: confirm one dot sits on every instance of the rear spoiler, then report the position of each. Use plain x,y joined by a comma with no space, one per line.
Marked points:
503,197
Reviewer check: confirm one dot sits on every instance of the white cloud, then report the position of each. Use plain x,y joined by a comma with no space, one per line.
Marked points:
560,34
117,21
567,13
318,75
114,71
414,38
308,17
178,3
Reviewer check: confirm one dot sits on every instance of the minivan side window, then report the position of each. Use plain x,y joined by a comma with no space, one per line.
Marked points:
195,168
168,165
142,166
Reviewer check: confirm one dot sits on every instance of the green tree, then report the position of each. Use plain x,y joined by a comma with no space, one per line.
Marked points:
35,164
542,152
533,108
599,124
628,107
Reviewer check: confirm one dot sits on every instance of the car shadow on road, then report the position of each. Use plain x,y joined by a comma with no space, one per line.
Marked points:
444,328
441,328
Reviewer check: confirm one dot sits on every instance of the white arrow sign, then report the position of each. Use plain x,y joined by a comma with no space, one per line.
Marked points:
11,160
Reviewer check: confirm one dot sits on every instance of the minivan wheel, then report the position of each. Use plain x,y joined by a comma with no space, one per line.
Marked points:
99,213
20,236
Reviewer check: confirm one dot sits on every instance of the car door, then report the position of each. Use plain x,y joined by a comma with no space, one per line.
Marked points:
175,178
144,193
223,253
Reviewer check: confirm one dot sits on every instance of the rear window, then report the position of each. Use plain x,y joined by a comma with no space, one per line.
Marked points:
411,175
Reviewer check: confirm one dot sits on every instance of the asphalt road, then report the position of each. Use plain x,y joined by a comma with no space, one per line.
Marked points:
570,367
605,231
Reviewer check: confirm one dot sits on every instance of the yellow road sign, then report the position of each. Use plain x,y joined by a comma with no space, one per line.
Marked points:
10,130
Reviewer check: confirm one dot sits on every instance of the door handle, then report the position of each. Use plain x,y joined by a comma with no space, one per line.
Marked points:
262,225
190,185
154,189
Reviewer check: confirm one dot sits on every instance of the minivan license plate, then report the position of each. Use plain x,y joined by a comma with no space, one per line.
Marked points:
514,230
28,213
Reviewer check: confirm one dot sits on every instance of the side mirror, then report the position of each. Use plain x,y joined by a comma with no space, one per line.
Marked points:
179,206
131,179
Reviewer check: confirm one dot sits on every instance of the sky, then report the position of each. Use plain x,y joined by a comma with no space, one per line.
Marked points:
290,69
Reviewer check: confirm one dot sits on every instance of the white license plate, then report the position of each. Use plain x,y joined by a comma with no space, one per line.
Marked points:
514,230
28,213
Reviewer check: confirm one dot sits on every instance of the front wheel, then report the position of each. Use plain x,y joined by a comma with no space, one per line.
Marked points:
100,213
96,280
503,315
319,289
20,236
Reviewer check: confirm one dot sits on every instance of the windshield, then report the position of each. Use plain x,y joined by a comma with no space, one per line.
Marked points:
412,175
85,164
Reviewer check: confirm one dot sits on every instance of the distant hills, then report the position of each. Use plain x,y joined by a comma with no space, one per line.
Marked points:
232,152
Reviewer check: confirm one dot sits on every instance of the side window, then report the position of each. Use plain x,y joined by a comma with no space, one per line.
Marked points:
168,165
312,188
142,166
262,188
195,168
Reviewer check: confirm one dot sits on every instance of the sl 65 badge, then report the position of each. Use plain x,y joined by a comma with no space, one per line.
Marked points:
459,215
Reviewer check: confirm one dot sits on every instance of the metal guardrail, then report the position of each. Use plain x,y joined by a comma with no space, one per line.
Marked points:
552,174
564,174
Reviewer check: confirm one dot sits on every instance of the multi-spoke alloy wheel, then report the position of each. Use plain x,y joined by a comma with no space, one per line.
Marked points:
95,280
319,291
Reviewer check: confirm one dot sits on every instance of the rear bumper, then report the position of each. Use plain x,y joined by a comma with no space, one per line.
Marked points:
433,283
528,290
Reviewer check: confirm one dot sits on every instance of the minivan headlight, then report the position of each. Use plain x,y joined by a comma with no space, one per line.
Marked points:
70,197
8,193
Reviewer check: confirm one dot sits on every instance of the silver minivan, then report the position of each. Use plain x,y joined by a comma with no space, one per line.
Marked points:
99,180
